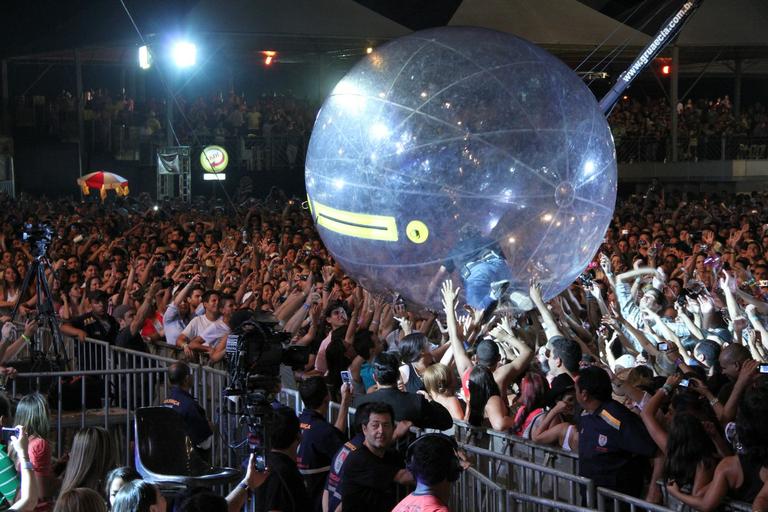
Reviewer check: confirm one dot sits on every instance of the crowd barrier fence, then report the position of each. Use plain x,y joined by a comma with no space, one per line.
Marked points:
531,478
612,501
474,491
127,380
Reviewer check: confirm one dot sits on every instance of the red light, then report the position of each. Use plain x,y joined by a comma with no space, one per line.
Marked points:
665,69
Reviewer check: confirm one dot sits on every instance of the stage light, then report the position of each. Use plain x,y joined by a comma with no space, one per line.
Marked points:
145,58
269,57
369,50
184,54
666,69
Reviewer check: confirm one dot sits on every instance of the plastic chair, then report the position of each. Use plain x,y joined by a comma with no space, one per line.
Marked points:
164,453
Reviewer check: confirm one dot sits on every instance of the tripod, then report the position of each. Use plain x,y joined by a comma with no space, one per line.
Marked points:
46,314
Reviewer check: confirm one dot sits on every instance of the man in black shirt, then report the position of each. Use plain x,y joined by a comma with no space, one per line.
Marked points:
96,324
131,321
284,488
411,407
371,470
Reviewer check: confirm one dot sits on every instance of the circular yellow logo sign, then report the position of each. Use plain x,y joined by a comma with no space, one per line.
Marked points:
214,159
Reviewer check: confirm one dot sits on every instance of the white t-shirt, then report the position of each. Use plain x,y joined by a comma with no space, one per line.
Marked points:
214,332
197,327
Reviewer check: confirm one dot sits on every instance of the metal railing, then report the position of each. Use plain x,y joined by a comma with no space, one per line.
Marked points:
704,147
530,478
520,501
127,380
474,491
107,415
525,449
608,500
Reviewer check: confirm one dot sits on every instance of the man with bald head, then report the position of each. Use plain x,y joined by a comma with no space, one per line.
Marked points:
731,359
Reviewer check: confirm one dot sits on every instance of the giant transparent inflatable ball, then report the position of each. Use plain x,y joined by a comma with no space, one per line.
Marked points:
452,143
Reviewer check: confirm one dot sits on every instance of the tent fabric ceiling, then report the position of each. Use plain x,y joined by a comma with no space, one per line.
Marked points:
727,23
296,18
548,22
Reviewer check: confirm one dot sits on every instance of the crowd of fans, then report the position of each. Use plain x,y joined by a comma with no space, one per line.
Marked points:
641,128
115,123
651,367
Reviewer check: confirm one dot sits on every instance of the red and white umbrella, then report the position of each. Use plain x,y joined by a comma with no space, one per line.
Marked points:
103,181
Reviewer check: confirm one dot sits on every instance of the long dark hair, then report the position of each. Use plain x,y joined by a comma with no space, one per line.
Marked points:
482,386
533,394
135,496
688,444
412,346
751,424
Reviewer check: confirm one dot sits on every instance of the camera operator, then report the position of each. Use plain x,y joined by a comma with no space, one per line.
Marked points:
284,488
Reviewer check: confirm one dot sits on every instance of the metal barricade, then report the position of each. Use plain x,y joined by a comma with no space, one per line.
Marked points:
736,506
474,491
333,414
530,478
520,501
526,449
608,500
108,416
291,398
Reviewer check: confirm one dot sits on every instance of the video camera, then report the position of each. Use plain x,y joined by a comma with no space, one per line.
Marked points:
255,350
39,236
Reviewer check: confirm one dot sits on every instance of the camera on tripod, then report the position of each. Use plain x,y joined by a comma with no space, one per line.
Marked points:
39,236
255,350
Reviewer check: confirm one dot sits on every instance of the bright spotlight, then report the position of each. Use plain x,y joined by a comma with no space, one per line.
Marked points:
184,54
145,58
269,57
369,50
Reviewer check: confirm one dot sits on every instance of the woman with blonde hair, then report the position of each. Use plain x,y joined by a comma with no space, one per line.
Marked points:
440,386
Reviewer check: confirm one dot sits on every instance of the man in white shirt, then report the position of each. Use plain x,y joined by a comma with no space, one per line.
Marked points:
214,332
182,310
199,324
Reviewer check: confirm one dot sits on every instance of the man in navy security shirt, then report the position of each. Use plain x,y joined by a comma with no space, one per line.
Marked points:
614,446
319,439
179,399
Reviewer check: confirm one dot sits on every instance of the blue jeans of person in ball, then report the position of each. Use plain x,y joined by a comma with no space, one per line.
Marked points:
477,284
